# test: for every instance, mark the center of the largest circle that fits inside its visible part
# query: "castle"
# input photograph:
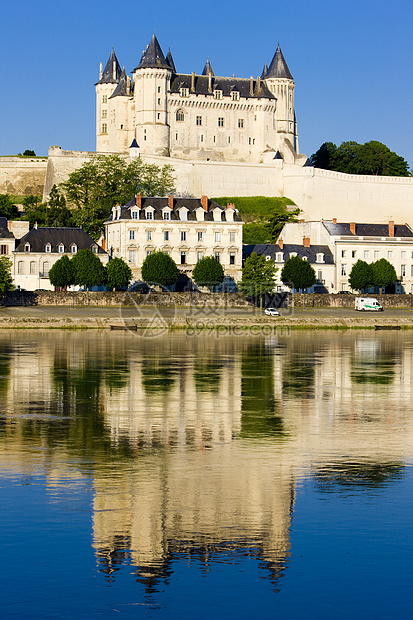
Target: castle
(196, 116)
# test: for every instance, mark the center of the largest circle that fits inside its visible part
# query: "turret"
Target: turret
(108, 81)
(281, 83)
(152, 81)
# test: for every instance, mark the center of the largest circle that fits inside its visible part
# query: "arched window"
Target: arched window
(73, 248)
(46, 268)
(20, 266)
(60, 248)
(27, 247)
(33, 267)
(48, 247)
(180, 116)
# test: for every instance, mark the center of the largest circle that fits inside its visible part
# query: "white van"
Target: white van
(368, 303)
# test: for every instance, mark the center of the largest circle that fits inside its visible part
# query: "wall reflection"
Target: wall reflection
(195, 445)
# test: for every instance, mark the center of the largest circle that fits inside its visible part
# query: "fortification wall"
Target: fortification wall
(22, 176)
(321, 194)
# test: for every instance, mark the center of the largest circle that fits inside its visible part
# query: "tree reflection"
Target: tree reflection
(374, 361)
(260, 408)
(158, 374)
(356, 475)
(6, 352)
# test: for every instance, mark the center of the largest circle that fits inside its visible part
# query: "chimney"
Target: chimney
(171, 202)
(334, 220)
(230, 205)
(114, 70)
(100, 71)
(306, 242)
(204, 202)
(280, 243)
(138, 201)
(209, 82)
(8, 225)
(353, 228)
(251, 85)
(128, 84)
(193, 82)
(103, 244)
(35, 225)
(258, 83)
(391, 228)
(302, 221)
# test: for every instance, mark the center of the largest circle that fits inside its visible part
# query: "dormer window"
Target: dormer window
(149, 214)
(305, 258)
(218, 94)
(235, 95)
(73, 248)
(319, 258)
(60, 248)
(292, 254)
(166, 213)
(95, 249)
(27, 247)
(183, 214)
(184, 92)
(279, 257)
(48, 247)
(134, 215)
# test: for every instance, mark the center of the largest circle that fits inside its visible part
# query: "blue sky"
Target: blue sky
(351, 62)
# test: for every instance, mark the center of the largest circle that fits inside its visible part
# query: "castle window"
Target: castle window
(232, 258)
(184, 92)
(201, 138)
(104, 98)
(159, 101)
(60, 248)
(240, 123)
(104, 128)
(159, 116)
(220, 121)
(199, 120)
(218, 94)
(104, 113)
(214, 138)
(180, 116)
(229, 139)
(159, 89)
(235, 95)
(176, 136)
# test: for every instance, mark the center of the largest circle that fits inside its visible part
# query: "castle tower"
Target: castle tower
(152, 78)
(280, 82)
(108, 80)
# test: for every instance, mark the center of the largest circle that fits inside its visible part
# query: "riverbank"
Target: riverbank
(197, 318)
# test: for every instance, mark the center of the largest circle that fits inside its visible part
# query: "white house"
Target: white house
(185, 228)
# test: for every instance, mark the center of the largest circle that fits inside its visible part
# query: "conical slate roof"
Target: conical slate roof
(264, 71)
(207, 69)
(121, 89)
(170, 60)
(107, 76)
(278, 67)
(134, 144)
(152, 57)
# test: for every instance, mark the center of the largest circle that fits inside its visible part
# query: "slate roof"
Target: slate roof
(207, 69)
(170, 60)
(271, 249)
(278, 67)
(159, 203)
(152, 57)
(121, 88)
(40, 237)
(226, 84)
(107, 75)
(368, 230)
(4, 231)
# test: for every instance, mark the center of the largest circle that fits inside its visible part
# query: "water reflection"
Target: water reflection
(196, 445)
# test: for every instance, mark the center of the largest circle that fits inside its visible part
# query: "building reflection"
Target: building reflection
(195, 445)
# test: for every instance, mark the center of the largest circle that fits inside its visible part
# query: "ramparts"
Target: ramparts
(22, 175)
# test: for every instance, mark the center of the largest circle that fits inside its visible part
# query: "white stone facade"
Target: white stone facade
(196, 116)
(186, 229)
(350, 242)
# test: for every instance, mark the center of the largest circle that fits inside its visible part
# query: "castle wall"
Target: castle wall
(321, 194)
(22, 176)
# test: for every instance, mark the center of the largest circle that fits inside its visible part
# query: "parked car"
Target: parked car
(140, 287)
(271, 312)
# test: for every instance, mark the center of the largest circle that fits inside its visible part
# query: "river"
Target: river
(187, 476)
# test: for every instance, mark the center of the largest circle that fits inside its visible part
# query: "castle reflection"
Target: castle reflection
(195, 445)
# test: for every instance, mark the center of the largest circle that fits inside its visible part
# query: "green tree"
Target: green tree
(98, 185)
(118, 273)
(159, 268)
(29, 153)
(277, 221)
(256, 232)
(62, 273)
(208, 272)
(53, 213)
(7, 208)
(88, 269)
(361, 275)
(371, 158)
(299, 273)
(6, 280)
(258, 276)
(384, 274)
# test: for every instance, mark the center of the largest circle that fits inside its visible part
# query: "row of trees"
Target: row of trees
(86, 269)
(372, 158)
(364, 275)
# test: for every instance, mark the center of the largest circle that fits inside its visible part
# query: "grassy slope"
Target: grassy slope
(256, 211)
